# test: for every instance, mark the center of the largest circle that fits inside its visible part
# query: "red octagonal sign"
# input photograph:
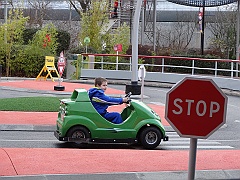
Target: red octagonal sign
(196, 107)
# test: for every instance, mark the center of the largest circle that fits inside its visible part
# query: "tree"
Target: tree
(93, 22)
(45, 39)
(120, 36)
(39, 7)
(223, 29)
(11, 35)
(178, 37)
(174, 35)
(84, 5)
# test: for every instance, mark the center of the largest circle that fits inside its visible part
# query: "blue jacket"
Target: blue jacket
(100, 101)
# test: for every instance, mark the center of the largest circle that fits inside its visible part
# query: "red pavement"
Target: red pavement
(34, 161)
(50, 117)
(49, 85)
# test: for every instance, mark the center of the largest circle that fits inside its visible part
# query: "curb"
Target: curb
(166, 175)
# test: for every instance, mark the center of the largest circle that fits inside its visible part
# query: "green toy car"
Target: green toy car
(78, 122)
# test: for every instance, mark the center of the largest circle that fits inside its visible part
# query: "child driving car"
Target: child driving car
(101, 101)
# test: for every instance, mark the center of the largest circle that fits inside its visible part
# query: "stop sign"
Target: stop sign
(196, 107)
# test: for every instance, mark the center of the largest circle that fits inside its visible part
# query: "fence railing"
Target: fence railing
(164, 64)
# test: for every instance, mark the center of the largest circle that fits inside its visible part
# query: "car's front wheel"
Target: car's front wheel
(78, 132)
(150, 137)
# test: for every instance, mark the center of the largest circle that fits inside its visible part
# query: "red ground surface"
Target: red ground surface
(49, 118)
(31, 161)
(49, 85)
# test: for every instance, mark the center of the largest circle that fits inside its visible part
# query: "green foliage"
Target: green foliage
(23, 51)
(46, 38)
(11, 35)
(29, 59)
(210, 54)
(146, 50)
(63, 39)
(120, 36)
(92, 24)
(78, 65)
(33, 104)
(117, 37)
(28, 35)
(81, 49)
(224, 31)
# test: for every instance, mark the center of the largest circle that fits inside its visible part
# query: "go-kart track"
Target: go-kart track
(39, 161)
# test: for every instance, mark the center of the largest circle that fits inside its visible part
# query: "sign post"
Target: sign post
(61, 66)
(86, 41)
(117, 48)
(195, 108)
(141, 77)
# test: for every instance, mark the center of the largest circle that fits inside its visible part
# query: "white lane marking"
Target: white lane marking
(16, 140)
(199, 147)
(177, 142)
(160, 90)
(233, 106)
(158, 103)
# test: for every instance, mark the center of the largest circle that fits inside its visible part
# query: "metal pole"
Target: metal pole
(130, 22)
(192, 158)
(202, 34)
(237, 38)
(117, 61)
(5, 11)
(5, 20)
(143, 21)
(135, 42)
(154, 24)
(70, 15)
(142, 89)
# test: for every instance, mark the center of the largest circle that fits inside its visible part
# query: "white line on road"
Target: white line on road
(17, 140)
(160, 90)
(199, 147)
(181, 142)
(233, 106)
(158, 103)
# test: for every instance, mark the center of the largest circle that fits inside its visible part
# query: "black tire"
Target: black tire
(150, 137)
(78, 132)
(59, 88)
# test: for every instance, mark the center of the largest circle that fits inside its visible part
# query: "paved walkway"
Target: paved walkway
(43, 163)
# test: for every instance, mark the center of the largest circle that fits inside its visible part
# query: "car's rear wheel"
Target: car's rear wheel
(78, 132)
(150, 137)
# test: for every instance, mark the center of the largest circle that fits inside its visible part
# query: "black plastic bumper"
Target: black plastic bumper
(94, 140)
(165, 138)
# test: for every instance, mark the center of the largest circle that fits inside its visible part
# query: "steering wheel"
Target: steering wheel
(128, 96)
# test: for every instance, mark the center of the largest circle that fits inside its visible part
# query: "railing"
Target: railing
(165, 64)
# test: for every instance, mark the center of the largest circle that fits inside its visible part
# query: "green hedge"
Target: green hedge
(63, 39)
(27, 61)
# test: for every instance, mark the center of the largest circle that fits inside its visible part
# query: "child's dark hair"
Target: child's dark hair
(99, 81)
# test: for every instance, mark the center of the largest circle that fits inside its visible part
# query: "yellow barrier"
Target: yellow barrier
(49, 67)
